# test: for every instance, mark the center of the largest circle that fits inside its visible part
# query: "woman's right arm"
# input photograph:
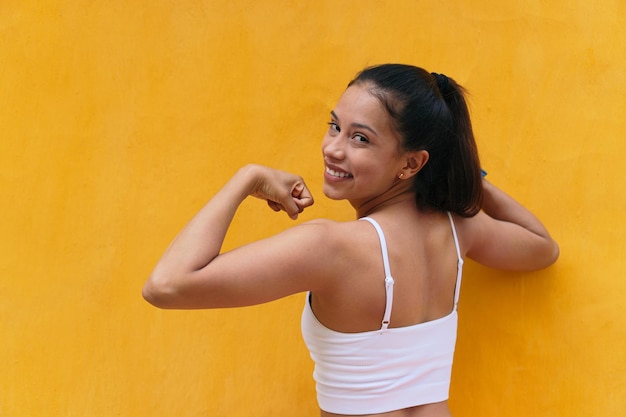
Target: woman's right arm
(192, 273)
(506, 235)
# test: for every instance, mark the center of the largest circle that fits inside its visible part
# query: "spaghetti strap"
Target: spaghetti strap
(388, 278)
(459, 265)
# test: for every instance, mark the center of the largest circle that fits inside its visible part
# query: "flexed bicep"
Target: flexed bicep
(259, 272)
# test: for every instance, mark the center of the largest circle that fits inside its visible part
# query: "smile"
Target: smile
(337, 174)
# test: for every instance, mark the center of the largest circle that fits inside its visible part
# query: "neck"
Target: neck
(397, 197)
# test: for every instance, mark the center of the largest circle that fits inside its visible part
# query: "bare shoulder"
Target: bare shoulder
(329, 236)
(317, 252)
(467, 229)
(317, 246)
(476, 231)
(336, 243)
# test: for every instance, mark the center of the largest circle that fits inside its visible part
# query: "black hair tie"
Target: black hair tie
(442, 81)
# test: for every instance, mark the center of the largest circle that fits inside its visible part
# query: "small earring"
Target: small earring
(401, 175)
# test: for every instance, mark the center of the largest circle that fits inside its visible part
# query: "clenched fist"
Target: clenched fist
(282, 190)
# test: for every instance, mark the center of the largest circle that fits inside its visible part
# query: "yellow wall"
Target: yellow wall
(120, 118)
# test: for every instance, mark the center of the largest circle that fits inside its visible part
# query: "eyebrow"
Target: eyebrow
(357, 125)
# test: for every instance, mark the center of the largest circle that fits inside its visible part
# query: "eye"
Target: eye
(360, 138)
(334, 127)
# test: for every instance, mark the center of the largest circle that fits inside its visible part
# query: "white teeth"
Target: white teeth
(337, 174)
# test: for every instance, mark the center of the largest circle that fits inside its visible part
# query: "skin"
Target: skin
(366, 166)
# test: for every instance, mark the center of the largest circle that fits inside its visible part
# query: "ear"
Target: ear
(415, 161)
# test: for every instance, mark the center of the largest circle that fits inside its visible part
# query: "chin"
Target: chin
(332, 194)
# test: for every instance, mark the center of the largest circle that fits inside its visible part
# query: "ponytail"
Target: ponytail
(463, 192)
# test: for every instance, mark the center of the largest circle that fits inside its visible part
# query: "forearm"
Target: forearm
(500, 206)
(508, 236)
(200, 241)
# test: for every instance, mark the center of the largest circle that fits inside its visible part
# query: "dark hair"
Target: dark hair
(430, 113)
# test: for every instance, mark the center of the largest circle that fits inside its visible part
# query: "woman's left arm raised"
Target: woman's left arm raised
(193, 274)
(506, 235)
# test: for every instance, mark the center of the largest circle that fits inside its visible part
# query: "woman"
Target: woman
(380, 316)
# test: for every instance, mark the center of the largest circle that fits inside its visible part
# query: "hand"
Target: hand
(281, 190)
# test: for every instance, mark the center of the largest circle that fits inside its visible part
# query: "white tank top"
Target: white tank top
(388, 369)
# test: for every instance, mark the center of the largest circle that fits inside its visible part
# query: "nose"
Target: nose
(333, 147)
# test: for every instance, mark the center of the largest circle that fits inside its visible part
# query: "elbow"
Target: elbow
(150, 294)
(159, 293)
(556, 251)
(549, 255)
(537, 258)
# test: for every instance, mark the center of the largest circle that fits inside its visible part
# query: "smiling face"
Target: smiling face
(362, 150)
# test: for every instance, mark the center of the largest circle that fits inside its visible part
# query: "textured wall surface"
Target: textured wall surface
(120, 119)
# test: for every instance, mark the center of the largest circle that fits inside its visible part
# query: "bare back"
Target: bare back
(423, 262)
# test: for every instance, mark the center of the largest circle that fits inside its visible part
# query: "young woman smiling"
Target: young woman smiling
(380, 315)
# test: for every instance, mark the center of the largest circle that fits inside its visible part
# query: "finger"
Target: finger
(302, 196)
(278, 207)
(274, 206)
(291, 207)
